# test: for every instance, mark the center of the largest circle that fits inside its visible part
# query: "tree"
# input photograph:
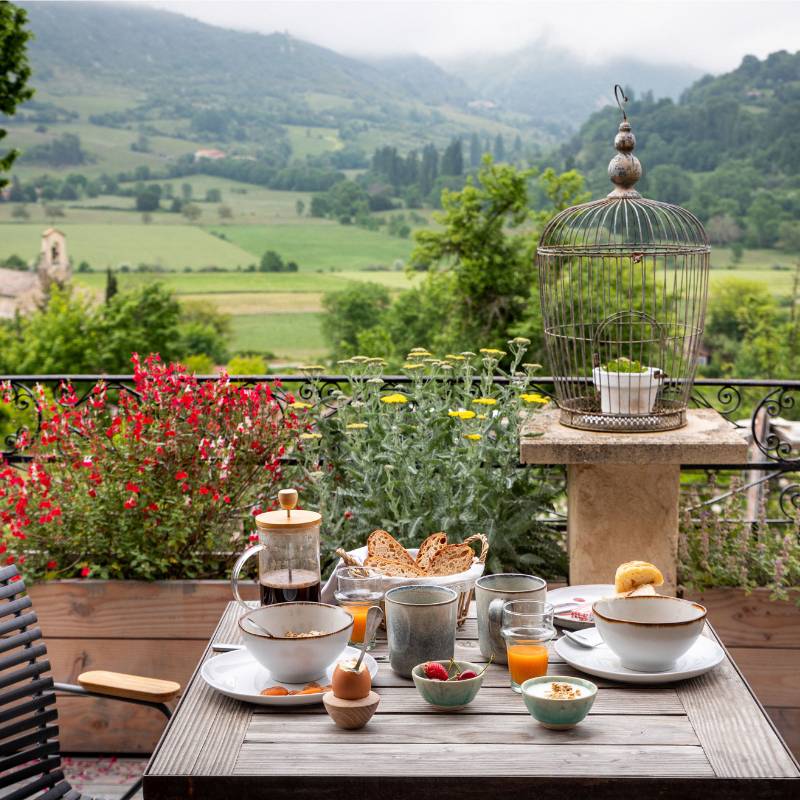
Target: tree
(474, 151)
(213, 196)
(148, 199)
(499, 148)
(299, 207)
(111, 285)
(225, 212)
(789, 233)
(350, 312)
(453, 159)
(192, 212)
(271, 262)
(186, 192)
(722, 229)
(15, 71)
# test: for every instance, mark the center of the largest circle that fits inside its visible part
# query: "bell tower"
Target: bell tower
(54, 262)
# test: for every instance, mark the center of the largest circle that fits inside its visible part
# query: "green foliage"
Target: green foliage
(15, 71)
(71, 334)
(624, 365)
(63, 151)
(15, 262)
(441, 455)
(273, 262)
(247, 365)
(352, 312)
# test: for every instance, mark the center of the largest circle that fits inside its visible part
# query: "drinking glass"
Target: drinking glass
(357, 589)
(527, 628)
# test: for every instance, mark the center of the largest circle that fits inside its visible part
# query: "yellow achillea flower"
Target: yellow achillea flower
(485, 401)
(453, 357)
(393, 399)
(492, 351)
(300, 404)
(461, 414)
(356, 426)
(419, 354)
(413, 366)
(473, 437)
(310, 435)
(534, 397)
(482, 416)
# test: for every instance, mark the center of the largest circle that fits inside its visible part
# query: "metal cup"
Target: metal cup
(420, 625)
(491, 592)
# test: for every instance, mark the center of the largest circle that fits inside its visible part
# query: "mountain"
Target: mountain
(728, 149)
(558, 89)
(425, 79)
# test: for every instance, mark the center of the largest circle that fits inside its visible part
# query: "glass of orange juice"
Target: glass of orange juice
(357, 589)
(527, 628)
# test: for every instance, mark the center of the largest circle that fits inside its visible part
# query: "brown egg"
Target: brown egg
(350, 685)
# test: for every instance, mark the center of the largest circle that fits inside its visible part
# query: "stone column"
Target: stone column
(622, 488)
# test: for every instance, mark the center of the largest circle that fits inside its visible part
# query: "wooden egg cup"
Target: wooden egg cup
(351, 714)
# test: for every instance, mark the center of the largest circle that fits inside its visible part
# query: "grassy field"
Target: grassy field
(296, 337)
(327, 245)
(306, 141)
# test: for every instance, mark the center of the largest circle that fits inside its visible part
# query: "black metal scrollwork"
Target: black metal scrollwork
(728, 401)
(769, 440)
(790, 501)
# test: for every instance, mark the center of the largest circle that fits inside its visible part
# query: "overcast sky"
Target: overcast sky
(711, 34)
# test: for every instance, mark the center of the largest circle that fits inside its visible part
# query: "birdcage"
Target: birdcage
(623, 284)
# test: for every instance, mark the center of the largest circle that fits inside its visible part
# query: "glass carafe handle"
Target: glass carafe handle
(237, 568)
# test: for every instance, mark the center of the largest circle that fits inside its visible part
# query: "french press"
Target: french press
(288, 554)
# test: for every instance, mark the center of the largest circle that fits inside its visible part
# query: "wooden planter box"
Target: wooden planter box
(160, 629)
(154, 629)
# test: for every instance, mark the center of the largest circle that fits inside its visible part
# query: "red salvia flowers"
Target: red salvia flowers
(147, 484)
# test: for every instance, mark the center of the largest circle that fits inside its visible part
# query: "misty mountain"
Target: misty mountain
(558, 89)
(425, 80)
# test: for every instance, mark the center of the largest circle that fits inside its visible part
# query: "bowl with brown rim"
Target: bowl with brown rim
(651, 632)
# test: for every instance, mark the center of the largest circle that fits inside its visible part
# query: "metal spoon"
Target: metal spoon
(260, 627)
(589, 637)
(374, 617)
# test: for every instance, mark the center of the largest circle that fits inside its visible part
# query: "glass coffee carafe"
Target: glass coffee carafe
(288, 554)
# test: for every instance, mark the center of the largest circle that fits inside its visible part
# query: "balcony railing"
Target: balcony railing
(756, 406)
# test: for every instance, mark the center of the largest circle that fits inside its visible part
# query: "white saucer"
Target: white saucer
(238, 675)
(581, 596)
(703, 656)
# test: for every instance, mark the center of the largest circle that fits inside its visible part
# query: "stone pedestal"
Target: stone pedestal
(622, 488)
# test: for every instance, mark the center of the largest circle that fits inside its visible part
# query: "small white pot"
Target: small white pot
(627, 392)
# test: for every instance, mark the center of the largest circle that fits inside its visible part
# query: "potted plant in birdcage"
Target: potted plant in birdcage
(626, 386)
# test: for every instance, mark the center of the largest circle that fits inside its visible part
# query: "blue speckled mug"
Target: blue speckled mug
(420, 625)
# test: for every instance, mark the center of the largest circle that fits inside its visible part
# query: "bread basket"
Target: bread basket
(461, 582)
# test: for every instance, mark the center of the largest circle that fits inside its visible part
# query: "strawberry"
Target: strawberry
(435, 672)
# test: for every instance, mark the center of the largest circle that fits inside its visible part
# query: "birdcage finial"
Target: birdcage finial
(624, 169)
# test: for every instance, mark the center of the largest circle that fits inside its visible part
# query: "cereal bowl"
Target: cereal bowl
(649, 633)
(562, 708)
(291, 658)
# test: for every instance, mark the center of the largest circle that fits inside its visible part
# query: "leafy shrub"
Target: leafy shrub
(441, 453)
(150, 486)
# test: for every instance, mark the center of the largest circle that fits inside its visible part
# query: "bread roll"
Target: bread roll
(633, 574)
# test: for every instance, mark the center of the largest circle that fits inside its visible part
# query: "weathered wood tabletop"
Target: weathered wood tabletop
(706, 735)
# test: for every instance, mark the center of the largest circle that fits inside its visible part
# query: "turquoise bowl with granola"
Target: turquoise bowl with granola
(448, 695)
(558, 702)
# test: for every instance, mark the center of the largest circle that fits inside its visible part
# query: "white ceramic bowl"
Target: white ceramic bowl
(293, 660)
(649, 633)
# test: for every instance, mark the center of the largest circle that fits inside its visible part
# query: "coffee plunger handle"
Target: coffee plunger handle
(287, 498)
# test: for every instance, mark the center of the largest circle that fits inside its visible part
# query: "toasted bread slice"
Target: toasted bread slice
(394, 569)
(429, 548)
(633, 574)
(384, 545)
(451, 559)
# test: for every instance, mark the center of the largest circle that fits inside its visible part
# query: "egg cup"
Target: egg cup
(351, 714)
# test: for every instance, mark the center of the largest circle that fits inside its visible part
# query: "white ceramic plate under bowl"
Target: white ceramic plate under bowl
(578, 598)
(238, 675)
(703, 656)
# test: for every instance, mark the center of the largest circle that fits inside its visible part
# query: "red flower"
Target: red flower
(181, 475)
(85, 572)
(52, 564)
(130, 502)
(130, 486)
(3, 548)
(348, 515)
(152, 507)
(10, 560)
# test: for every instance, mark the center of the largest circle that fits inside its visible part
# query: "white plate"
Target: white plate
(581, 595)
(703, 655)
(238, 675)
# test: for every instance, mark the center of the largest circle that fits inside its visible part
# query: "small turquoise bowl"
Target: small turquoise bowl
(448, 695)
(558, 715)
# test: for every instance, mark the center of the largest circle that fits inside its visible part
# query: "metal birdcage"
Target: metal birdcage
(623, 284)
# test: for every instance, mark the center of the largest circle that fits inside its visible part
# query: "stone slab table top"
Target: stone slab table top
(707, 438)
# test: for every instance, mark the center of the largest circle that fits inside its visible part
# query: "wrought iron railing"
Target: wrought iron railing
(753, 405)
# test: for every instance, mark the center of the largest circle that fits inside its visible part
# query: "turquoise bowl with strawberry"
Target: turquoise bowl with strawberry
(448, 685)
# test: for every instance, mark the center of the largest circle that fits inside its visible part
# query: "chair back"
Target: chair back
(30, 760)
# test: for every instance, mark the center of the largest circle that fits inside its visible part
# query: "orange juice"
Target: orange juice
(359, 621)
(526, 661)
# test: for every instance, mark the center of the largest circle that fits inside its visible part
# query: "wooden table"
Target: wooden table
(703, 738)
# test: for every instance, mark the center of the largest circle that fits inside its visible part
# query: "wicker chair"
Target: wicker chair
(30, 757)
